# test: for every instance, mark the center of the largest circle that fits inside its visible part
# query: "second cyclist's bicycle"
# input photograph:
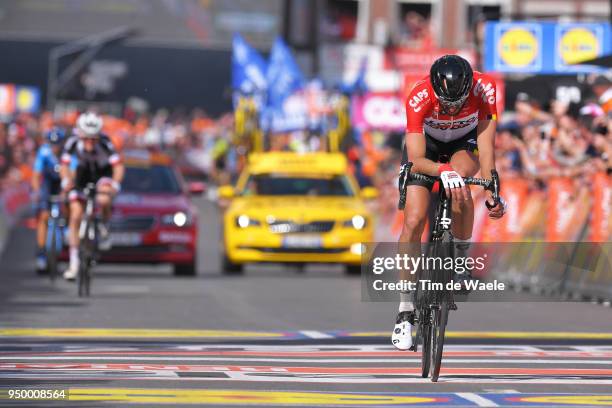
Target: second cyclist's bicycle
(55, 234)
(88, 235)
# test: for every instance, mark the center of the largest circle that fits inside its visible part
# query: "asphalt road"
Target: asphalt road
(278, 337)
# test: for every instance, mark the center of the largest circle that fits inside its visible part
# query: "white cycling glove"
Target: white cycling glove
(449, 177)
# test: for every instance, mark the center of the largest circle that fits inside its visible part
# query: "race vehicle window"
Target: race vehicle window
(278, 185)
(152, 179)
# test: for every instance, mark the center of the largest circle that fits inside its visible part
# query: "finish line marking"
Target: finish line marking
(304, 360)
(312, 334)
(477, 399)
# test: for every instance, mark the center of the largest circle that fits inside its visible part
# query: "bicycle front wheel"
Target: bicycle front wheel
(438, 330)
(52, 251)
(424, 333)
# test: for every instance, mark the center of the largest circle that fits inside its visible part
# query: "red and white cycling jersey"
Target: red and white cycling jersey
(423, 109)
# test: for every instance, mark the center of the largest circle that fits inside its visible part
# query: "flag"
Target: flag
(248, 67)
(360, 85)
(283, 75)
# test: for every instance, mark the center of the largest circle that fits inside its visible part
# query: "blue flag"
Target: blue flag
(359, 85)
(283, 75)
(248, 67)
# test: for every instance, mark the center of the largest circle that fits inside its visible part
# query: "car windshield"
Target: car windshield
(279, 184)
(152, 179)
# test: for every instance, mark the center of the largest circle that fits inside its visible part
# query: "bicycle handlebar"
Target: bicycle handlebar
(406, 175)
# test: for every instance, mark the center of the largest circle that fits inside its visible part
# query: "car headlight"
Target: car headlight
(358, 222)
(177, 219)
(244, 221)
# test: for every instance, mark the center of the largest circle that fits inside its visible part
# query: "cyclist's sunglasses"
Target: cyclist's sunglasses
(452, 107)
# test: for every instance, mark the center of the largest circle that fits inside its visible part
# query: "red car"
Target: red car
(153, 218)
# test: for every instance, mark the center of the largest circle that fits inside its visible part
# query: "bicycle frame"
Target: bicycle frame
(88, 234)
(54, 239)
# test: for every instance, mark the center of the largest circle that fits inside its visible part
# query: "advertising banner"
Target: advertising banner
(380, 111)
(27, 99)
(14, 98)
(418, 62)
(545, 48)
(7, 99)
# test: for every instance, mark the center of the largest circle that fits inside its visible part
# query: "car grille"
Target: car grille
(132, 223)
(290, 227)
(297, 250)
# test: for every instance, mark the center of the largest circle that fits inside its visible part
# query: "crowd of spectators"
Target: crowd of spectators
(566, 139)
(198, 142)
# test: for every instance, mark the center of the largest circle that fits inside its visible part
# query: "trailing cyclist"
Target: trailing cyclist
(46, 182)
(96, 161)
(451, 120)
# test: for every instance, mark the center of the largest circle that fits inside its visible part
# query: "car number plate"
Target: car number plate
(125, 238)
(302, 241)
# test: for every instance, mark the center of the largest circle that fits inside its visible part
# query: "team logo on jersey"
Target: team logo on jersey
(415, 101)
(487, 91)
(448, 124)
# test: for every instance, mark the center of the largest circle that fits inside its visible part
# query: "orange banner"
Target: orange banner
(602, 208)
(559, 209)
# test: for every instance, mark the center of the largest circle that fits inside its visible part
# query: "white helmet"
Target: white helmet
(89, 124)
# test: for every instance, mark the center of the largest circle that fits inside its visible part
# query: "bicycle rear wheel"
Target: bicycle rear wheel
(85, 254)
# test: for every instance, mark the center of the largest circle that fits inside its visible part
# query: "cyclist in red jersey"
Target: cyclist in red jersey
(451, 120)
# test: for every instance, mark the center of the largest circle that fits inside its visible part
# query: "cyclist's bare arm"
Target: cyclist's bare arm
(118, 172)
(415, 145)
(486, 156)
(486, 147)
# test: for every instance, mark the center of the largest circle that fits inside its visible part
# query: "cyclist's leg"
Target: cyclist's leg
(74, 224)
(415, 217)
(41, 237)
(466, 164)
(104, 200)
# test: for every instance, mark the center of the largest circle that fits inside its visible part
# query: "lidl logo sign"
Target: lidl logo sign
(577, 43)
(518, 47)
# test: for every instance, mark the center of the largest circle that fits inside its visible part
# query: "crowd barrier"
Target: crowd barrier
(553, 241)
(14, 200)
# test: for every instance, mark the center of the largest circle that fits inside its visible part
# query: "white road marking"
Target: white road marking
(238, 376)
(447, 360)
(314, 334)
(477, 399)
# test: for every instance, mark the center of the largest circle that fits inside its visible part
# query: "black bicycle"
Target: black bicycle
(55, 233)
(434, 300)
(88, 235)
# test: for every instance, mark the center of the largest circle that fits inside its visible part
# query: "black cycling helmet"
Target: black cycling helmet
(451, 78)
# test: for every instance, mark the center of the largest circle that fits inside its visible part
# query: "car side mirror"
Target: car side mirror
(226, 192)
(196, 187)
(369, 193)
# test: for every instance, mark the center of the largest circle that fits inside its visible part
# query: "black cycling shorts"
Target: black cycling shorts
(441, 152)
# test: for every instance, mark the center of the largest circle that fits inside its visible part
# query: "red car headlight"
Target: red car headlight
(178, 219)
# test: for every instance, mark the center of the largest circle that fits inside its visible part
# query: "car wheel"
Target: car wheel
(230, 268)
(352, 269)
(185, 269)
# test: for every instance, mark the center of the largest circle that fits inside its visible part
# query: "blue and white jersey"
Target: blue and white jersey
(47, 164)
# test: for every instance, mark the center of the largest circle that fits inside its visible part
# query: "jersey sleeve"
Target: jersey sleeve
(69, 150)
(39, 161)
(487, 92)
(113, 156)
(417, 105)
(74, 163)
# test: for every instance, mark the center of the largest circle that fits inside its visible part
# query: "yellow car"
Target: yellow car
(295, 208)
